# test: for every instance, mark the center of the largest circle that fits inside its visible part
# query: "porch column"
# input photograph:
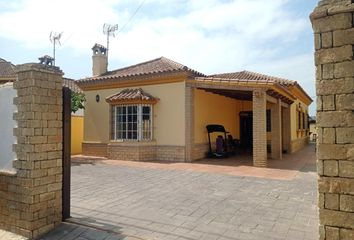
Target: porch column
(276, 142)
(286, 129)
(259, 128)
(189, 123)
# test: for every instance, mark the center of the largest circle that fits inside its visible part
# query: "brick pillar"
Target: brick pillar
(286, 129)
(276, 130)
(33, 195)
(333, 26)
(259, 128)
(189, 127)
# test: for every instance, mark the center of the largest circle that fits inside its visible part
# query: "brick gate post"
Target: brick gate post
(333, 26)
(32, 203)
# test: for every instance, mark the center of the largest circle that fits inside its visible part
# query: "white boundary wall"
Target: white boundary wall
(7, 124)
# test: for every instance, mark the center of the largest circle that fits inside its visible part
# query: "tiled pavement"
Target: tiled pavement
(113, 201)
(116, 200)
(10, 236)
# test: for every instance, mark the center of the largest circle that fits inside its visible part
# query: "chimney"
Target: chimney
(99, 60)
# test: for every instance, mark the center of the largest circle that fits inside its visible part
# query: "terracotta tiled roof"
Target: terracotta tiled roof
(247, 76)
(136, 94)
(252, 76)
(71, 84)
(6, 68)
(155, 66)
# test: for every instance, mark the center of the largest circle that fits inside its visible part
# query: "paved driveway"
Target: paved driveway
(113, 201)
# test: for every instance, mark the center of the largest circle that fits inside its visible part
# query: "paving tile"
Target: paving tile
(60, 232)
(193, 201)
(10, 236)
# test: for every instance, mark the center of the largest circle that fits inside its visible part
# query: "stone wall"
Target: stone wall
(171, 153)
(333, 26)
(139, 151)
(200, 150)
(131, 152)
(94, 149)
(298, 144)
(31, 197)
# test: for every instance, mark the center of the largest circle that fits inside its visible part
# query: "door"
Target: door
(246, 130)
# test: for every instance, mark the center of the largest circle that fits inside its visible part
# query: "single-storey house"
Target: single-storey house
(159, 110)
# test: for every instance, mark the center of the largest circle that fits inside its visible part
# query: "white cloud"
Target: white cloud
(208, 35)
(230, 27)
(211, 35)
(31, 22)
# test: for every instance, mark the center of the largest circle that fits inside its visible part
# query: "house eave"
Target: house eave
(133, 81)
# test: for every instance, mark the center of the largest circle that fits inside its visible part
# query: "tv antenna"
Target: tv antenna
(109, 30)
(55, 38)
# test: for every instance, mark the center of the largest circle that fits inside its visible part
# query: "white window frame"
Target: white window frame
(139, 122)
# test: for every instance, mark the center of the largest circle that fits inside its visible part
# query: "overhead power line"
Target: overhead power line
(132, 16)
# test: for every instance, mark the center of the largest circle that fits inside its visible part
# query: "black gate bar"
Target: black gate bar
(66, 152)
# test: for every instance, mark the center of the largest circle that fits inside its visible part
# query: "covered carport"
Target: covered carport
(257, 95)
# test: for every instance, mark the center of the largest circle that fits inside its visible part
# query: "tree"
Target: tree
(77, 101)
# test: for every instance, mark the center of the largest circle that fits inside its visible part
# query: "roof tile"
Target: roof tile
(159, 65)
(253, 76)
(6, 68)
(71, 84)
(136, 94)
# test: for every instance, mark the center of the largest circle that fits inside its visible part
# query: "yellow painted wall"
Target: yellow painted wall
(293, 117)
(211, 108)
(168, 121)
(77, 134)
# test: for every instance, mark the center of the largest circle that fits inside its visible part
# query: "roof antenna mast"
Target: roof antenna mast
(55, 38)
(109, 30)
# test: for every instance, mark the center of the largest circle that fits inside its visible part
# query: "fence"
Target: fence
(7, 124)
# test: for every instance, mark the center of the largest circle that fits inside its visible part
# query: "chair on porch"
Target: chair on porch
(233, 144)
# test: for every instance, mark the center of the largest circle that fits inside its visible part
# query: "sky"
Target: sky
(272, 37)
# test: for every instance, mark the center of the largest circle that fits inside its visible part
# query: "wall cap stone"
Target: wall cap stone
(8, 173)
(38, 67)
(324, 10)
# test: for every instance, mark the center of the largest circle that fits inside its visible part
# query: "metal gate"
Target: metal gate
(66, 152)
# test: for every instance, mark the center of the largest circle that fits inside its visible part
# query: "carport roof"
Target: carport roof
(289, 85)
(253, 76)
(230, 86)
